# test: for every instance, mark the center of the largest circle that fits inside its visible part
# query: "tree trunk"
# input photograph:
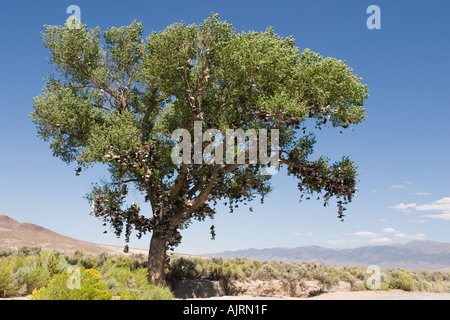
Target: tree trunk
(157, 259)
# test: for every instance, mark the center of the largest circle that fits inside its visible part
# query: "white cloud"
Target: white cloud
(296, 234)
(417, 221)
(381, 240)
(417, 236)
(366, 234)
(404, 207)
(398, 187)
(441, 205)
(443, 216)
(309, 234)
(389, 230)
(423, 193)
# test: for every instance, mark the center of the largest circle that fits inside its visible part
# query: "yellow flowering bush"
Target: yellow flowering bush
(81, 284)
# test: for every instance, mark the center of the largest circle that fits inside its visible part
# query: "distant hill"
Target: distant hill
(419, 255)
(14, 234)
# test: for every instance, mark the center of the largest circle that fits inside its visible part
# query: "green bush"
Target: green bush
(50, 260)
(183, 268)
(29, 278)
(62, 287)
(7, 285)
(6, 252)
(25, 251)
(130, 284)
(402, 280)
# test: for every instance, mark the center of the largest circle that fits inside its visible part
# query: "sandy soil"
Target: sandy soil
(359, 295)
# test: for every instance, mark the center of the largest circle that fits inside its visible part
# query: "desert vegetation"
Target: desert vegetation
(293, 279)
(48, 275)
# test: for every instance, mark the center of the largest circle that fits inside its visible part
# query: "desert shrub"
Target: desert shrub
(267, 272)
(50, 260)
(25, 251)
(217, 260)
(121, 260)
(8, 287)
(29, 278)
(149, 292)
(102, 257)
(402, 280)
(130, 284)
(325, 278)
(215, 271)
(138, 261)
(422, 286)
(72, 259)
(159, 292)
(439, 286)
(79, 258)
(6, 252)
(182, 268)
(121, 279)
(446, 276)
(339, 274)
(87, 261)
(91, 287)
(232, 271)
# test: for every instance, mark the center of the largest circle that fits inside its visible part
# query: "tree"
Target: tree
(116, 100)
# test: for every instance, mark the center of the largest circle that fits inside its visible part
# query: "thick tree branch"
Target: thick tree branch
(146, 118)
(179, 181)
(218, 172)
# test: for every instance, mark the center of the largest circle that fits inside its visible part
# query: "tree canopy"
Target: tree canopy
(116, 97)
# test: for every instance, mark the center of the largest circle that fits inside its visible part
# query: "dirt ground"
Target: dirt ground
(358, 295)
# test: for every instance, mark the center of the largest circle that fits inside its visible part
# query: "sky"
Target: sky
(401, 149)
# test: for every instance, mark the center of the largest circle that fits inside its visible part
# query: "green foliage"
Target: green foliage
(183, 268)
(117, 96)
(45, 274)
(29, 278)
(7, 285)
(133, 285)
(6, 252)
(91, 288)
(28, 251)
(50, 260)
(402, 280)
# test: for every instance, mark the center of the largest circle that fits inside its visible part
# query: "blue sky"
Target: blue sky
(402, 149)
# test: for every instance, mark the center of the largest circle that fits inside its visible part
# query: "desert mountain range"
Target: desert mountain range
(14, 234)
(414, 255)
(423, 255)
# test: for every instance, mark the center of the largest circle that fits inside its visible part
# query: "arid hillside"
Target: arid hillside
(14, 234)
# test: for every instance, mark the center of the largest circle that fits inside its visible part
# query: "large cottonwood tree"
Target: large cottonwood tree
(116, 98)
